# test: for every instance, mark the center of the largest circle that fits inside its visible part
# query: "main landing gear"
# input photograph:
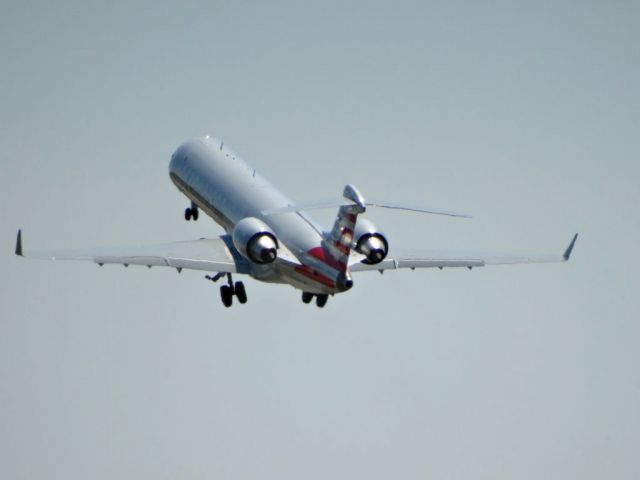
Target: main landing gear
(321, 300)
(191, 213)
(228, 291)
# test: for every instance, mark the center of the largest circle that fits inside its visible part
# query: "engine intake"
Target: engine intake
(254, 240)
(370, 242)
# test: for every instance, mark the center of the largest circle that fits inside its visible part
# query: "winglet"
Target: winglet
(567, 252)
(19, 243)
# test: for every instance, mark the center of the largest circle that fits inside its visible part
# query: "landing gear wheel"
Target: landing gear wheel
(226, 294)
(307, 297)
(321, 300)
(191, 212)
(240, 292)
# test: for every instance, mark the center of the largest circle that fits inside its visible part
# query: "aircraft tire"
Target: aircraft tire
(194, 214)
(307, 297)
(321, 300)
(187, 214)
(226, 295)
(240, 292)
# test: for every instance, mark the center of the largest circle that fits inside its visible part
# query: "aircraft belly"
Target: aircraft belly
(202, 203)
(286, 272)
(297, 279)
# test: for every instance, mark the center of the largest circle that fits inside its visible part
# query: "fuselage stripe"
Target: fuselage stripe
(313, 275)
(327, 258)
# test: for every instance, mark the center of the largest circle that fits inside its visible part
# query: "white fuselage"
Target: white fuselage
(225, 187)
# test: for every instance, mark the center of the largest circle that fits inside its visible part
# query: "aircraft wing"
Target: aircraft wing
(211, 255)
(442, 259)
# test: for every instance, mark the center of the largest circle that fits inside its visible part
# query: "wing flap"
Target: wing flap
(398, 260)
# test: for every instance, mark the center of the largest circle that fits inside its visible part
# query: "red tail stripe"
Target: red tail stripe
(342, 248)
(326, 257)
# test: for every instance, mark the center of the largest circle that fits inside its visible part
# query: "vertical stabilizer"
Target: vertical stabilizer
(339, 241)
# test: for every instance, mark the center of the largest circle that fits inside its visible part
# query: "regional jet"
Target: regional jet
(273, 239)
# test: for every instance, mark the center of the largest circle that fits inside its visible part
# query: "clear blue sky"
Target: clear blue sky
(525, 114)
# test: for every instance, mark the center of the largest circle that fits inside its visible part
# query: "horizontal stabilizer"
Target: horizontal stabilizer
(415, 208)
(341, 202)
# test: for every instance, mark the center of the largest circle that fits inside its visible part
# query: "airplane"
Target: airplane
(273, 239)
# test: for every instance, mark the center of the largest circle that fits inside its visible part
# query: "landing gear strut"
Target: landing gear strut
(228, 291)
(191, 213)
(321, 300)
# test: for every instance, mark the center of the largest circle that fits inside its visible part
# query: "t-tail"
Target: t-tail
(340, 239)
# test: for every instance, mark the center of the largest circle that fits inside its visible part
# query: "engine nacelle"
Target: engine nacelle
(370, 242)
(254, 240)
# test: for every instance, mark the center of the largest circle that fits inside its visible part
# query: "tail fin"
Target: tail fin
(339, 241)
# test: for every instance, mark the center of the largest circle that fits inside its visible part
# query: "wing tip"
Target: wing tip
(19, 244)
(567, 253)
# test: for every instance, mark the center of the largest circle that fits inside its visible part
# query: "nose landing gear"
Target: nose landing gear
(191, 213)
(228, 291)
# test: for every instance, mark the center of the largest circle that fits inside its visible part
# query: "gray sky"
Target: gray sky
(525, 114)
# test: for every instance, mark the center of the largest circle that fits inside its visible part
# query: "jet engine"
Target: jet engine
(254, 240)
(370, 242)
